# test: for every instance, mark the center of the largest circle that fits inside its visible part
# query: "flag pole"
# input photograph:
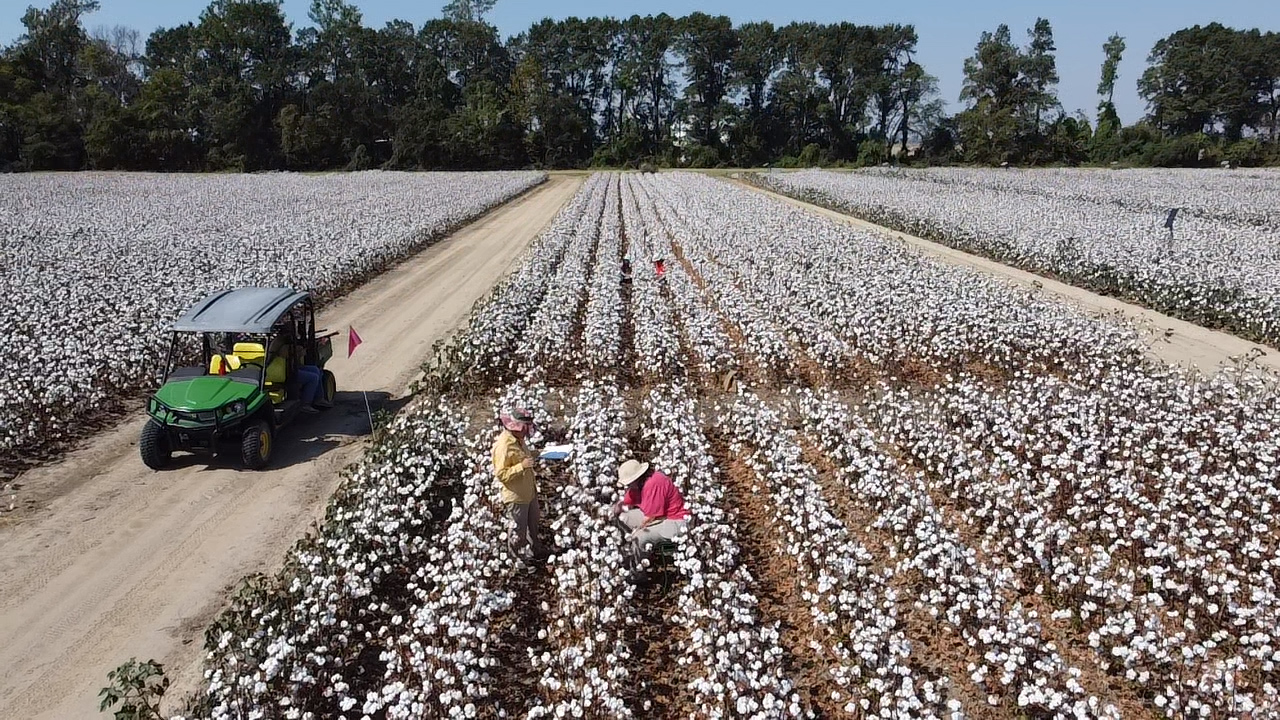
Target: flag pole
(353, 341)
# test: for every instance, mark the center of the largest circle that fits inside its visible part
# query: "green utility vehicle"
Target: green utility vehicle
(254, 345)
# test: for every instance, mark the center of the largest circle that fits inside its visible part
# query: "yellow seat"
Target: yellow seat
(276, 370)
(230, 362)
(250, 352)
(275, 380)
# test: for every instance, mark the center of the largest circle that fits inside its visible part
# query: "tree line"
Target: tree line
(239, 88)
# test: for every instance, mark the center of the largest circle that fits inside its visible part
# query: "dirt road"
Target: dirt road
(121, 561)
(1174, 341)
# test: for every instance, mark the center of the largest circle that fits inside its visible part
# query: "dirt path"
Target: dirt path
(119, 561)
(1174, 341)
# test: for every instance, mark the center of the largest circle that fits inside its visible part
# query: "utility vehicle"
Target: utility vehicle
(249, 343)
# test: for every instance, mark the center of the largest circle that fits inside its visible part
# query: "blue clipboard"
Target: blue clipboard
(556, 452)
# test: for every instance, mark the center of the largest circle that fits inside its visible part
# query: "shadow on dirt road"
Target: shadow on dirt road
(309, 436)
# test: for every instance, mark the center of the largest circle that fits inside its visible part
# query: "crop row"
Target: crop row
(930, 495)
(1217, 267)
(1139, 484)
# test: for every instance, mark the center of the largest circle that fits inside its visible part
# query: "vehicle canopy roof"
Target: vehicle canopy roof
(245, 310)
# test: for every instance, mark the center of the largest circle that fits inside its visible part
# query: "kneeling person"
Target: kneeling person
(652, 507)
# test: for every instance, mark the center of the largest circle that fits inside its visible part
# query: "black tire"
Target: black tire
(256, 445)
(154, 446)
(328, 390)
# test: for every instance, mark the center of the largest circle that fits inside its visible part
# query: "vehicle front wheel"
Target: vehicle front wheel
(154, 446)
(256, 445)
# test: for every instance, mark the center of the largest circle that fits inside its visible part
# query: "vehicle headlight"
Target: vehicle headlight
(234, 408)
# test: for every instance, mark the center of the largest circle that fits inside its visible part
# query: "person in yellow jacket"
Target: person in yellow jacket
(513, 466)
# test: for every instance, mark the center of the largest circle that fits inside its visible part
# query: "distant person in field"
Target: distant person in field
(651, 508)
(513, 466)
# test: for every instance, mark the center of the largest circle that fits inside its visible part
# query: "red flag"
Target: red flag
(353, 340)
(660, 266)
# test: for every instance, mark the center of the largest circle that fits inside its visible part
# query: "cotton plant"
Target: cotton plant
(1103, 230)
(1161, 553)
(600, 340)
(733, 659)
(441, 659)
(848, 296)
(550, 341)
(977, 600)
(857, 634)
(656, 333)
(484, 350)
(976, 324)
(97, 264)
(1238, 196)
(584, 671)
(586, 668)
(301, 644)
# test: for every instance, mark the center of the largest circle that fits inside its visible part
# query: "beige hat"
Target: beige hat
(631, 470)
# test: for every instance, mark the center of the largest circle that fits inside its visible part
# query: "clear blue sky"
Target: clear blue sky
(948, 29)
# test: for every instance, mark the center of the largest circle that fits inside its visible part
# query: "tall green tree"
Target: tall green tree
(49, 51)
(644, 78)
(332, 45)
(421, 124)
(1196, 82)
(481, 128)
(339, 116)
(755, 63)
(111, 63)
(49, 83)
(468, 50)
(1268, 85)
(554, 87)
(1039, 68)
(237, 88)
(11, 101)
(1113, 51)
(895, 75)
(849, 59)
(245, 63)
(468, 10)
(1011, 95)
(797, 101)
(989, 126)
(708, 45)
(920, 107)
(1105, 144)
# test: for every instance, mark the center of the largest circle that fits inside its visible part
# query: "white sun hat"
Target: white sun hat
(631, 470)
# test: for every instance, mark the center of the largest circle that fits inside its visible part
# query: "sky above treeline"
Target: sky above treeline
(948, 29)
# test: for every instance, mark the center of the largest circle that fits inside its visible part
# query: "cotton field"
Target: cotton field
(916, 492)
(1103, 230)
(95, 264)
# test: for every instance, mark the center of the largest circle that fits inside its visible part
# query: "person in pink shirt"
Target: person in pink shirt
(652, 507)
